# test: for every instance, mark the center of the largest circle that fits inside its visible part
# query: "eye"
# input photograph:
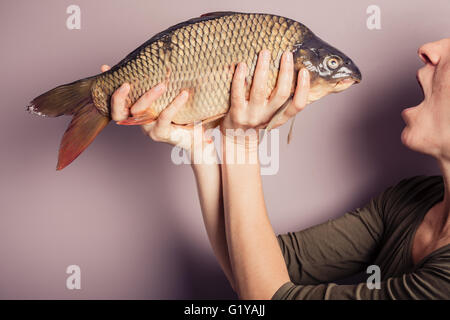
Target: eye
(333, 62)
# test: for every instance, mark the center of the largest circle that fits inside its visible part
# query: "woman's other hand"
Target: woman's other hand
(258, 110)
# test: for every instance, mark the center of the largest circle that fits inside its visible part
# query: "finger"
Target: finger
(147, 99)
(282, 120)
(238, 86)
(119, 108)
(146, 128)
(284, 83)
(166, 116)
(259, 83)
(105, 68)
(300, 99)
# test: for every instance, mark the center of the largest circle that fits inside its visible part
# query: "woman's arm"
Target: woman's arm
(258, 264)
(256, 259)
(209, 187)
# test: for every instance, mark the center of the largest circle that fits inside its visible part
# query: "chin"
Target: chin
(408, 139)
(405, 137)
(411, 142)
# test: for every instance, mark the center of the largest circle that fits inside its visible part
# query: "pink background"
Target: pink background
(128, 216)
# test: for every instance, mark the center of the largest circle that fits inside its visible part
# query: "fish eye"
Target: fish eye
(333, 62)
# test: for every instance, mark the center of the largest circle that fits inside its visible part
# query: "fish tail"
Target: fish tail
(72, 99)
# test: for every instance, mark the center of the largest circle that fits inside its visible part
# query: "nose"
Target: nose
(429, 53)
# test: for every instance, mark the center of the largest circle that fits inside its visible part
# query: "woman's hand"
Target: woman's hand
(162, 129)
(256, 112)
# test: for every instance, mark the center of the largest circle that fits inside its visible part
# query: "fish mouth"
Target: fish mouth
(352, 75)
(349, 79)
(347, 82)
(355, 80)
(355, 77)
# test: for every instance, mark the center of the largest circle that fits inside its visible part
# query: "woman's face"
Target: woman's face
(428, 124)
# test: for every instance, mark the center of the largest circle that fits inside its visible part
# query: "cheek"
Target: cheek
(441, 83)
(424, 124)
(439, 97)
(438, 117)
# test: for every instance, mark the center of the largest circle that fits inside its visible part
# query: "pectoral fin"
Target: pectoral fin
(140, 119)
(290, 129)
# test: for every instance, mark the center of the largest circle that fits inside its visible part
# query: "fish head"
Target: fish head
(330, 69)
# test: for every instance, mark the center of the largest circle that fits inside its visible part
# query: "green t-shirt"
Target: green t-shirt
(379, 234)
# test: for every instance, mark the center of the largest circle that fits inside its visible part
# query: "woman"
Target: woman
(405, 230)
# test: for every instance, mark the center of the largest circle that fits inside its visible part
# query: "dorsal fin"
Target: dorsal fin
(216, 14)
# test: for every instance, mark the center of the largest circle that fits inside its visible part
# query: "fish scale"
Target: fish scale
(198, 57)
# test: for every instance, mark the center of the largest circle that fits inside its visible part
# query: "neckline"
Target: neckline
(430, 205)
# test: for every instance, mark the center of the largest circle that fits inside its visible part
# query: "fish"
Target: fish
(199, 55)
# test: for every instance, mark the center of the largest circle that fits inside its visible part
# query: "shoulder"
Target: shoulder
(409, 194)
(419, 181)
(415, 188)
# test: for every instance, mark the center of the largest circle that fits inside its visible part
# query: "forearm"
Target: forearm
(257, 262)
(209, 187)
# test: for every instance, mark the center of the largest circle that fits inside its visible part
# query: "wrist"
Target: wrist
(240, 148)
(203, 153)
(248, 139)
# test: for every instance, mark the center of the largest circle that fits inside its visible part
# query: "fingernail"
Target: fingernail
(241, 66)
(184, 94)
(288, 56)
(265, 54)
(159, 87)
(304, 76)
(124, 87)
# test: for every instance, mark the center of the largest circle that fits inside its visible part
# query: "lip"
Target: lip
(356, 80)
(403, 115)
(347, 81)
(419, 81)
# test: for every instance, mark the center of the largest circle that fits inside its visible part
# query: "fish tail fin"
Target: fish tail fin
(87, 122)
